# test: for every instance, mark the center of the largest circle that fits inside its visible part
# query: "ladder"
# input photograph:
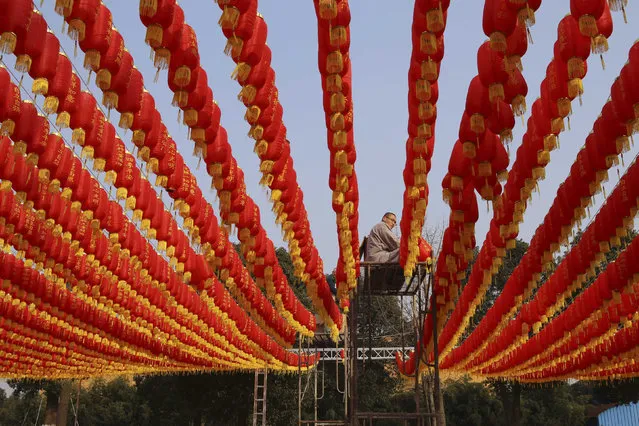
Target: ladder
(259, 398)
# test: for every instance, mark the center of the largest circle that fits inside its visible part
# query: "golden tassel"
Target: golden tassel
(92, 60)
(498, 42)
(154, 35)
(23, 63)
(40, 86)
(338, 37)
(180, 98)
(252, 114)
(148, 8)
(428, 43)
(126, 120)
(337, 122)
(588, 26)
(335, 62)
(103, 79)
(429, 70)
(8, 126)
(338, 102)
(8, 42)
(477, 124)
(496, 92)
(247, 94)
(241, 72)
(327, 9)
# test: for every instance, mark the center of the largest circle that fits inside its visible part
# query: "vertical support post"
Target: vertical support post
(299, 383)
(315, 397)
(437, 390)
(353, 351)
(264, 394)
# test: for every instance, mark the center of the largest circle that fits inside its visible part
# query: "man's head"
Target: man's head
(389, 219)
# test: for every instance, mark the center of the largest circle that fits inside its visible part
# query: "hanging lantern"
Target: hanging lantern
(83, 116)
(163, 40)
(515, 92)
(98, 39)
(499, 22)
(185, 58)
(30, 46)
(587, 12)
(59, 86)
(14, 24)
(118, 81)
(604, 28)
(492, 71)
(130, 101)
(110, 61)
(477, 104)
(238, 19)
(43, 67)
(82, 14)
(516, 47)
(10, 102)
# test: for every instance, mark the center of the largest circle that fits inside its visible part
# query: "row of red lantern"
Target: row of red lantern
(78, 232)
(187, 298)
(540, 138)
(479, 160)
(334, 63)
(429, 24)
(100, 332)
(544, 125)
(609, 301)
(110, 217)
(610, 224)
(87, 318)
(192, 94)
(609, 340)
(99, 141)
(246, 32)
(78, 163)
(147, 120)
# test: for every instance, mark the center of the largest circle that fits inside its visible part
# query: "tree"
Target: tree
(112, 403)
(471, 404)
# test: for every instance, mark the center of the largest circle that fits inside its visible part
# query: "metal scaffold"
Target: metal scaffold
(356, 350)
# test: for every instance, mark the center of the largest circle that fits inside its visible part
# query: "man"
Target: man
(382, 244)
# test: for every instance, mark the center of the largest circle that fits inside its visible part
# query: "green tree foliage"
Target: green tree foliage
(111, 403)
(471, 404)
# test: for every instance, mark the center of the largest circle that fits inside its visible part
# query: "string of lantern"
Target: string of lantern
(175, 47)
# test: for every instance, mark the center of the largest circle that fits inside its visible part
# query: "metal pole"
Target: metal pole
(353, 356)
(440, 415)
(315, 395)
(299, 384)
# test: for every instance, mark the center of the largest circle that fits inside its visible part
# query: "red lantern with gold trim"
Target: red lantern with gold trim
(14, 23)
(10, 103)
(30, 46)
(43, 67)
(98, 38)
(499, 21)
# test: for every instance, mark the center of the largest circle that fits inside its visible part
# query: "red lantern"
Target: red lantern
(59, 86)
(492, 71)
(185, 58)
(499, 22)
(43, 67)
(110, 61)
(14, 23)
(587, 12)
(30, 46)
(98, 39)
(81, 14)
(10, 102)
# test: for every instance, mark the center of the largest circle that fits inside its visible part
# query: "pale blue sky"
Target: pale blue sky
(380, 52)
